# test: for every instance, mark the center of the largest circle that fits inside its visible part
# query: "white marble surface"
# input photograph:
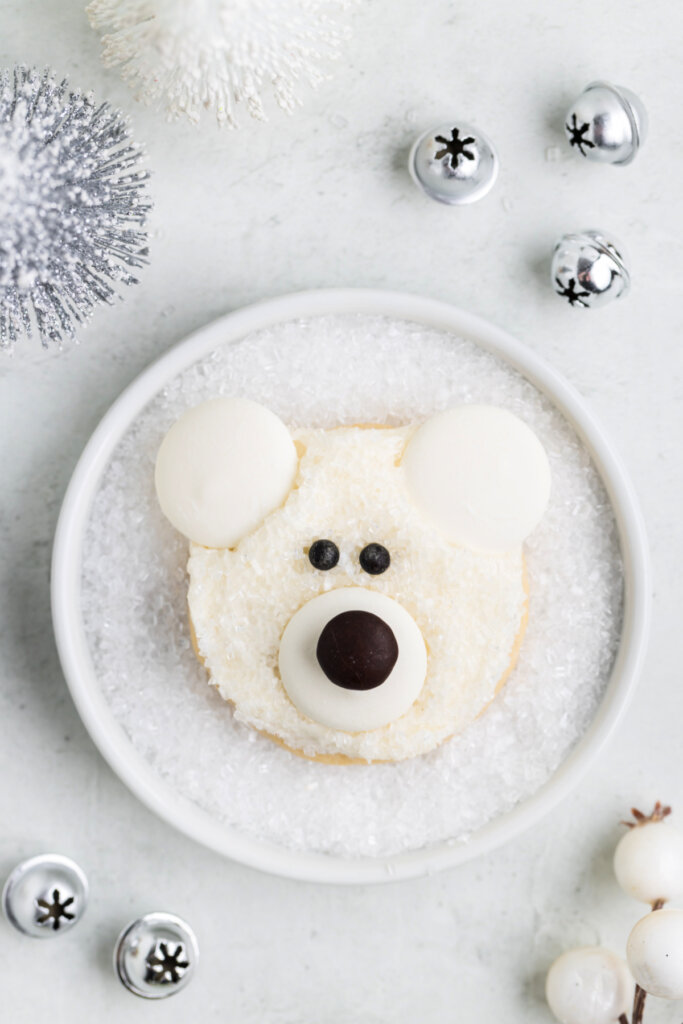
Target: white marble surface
(323, 199)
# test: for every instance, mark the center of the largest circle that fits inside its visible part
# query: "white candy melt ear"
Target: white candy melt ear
(480, 475)
(222, 468)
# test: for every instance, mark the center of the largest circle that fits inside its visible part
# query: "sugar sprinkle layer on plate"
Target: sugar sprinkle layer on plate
(323, 372)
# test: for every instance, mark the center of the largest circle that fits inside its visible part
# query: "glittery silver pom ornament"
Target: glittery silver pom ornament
(189, 55)
(589, 269)
(454, 163)
(606, 124)
(73, 204)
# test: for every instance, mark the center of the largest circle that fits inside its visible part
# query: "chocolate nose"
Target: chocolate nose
(357, 650)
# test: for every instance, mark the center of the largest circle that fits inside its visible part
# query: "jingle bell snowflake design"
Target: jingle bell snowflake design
(189, 55)
(568, 291)
(576, 133)
(166, 967)
(73, 205)
(455, 148)
(51, 911)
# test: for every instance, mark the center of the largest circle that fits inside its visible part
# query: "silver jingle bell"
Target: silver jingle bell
(607, 124)
(589, 269)
(454, 164)
(156, 955)
(45, 896)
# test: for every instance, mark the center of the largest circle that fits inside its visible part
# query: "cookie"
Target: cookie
(375, 600)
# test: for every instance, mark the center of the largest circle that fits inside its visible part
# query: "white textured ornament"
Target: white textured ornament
(589, 986)
(655, 953)
(648, 862)
(186, 55)
(221, 468)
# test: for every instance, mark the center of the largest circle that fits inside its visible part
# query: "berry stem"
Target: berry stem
(638, 1005)
(640, 994)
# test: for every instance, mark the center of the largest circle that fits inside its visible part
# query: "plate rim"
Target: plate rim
(108, 735)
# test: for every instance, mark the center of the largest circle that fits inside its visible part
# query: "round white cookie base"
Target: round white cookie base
(134, 602)
(466, 606)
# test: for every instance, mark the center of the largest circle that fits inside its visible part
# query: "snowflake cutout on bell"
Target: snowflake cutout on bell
(185, 55)
(73, 205)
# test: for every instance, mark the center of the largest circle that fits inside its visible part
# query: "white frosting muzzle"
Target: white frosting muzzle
(315, 696)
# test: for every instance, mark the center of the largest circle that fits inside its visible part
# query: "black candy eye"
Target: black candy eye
(374, 559)
(323, 554)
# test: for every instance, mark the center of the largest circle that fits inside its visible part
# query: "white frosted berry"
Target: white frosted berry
(648, 862)
(655, 953)
(589, 986)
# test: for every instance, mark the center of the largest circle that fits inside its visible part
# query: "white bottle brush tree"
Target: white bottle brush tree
(186, 55)
(594, 985)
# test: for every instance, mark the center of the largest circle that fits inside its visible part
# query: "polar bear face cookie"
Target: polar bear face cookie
(357, 594)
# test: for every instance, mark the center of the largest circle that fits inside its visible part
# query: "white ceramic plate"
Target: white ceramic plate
(73, 647)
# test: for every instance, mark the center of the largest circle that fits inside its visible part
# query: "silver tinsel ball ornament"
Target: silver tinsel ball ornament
(590, 269)
(454, 163)
(73, 204)
(606, 124)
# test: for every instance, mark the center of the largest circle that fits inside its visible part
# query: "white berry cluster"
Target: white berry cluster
(594, 985)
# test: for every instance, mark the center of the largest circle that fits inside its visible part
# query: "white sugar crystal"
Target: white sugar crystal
(323, 372)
